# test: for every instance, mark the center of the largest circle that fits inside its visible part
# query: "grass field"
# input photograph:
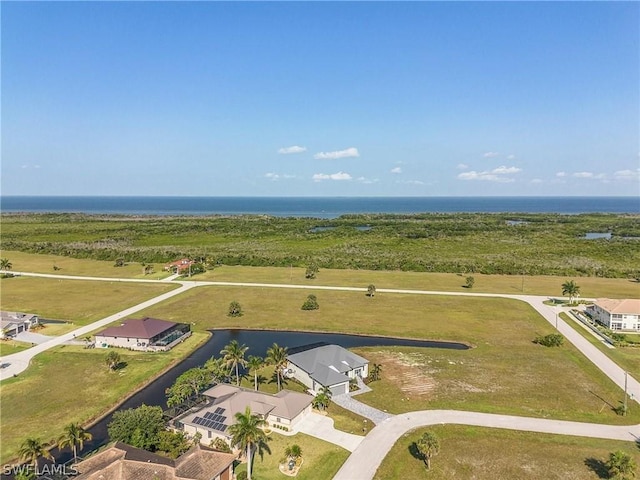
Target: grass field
(72, 384)
(77, 301)
(44, 263)
(7, 347)
(493, 454)
(503, 373)
(321, 460)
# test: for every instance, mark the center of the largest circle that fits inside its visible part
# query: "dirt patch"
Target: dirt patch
(407, 373)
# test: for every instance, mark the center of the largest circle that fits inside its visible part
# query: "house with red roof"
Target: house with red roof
(179, 266)
(145, 334)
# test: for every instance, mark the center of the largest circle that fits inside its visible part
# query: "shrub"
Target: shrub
(311, 303)
(470, 281)
(551, 340)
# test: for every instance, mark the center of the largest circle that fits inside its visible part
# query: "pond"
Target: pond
(596, 235)
(258, 342)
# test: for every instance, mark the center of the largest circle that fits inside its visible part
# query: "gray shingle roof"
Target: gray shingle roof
(327, 364)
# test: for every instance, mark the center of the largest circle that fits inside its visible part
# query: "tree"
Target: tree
(119, 262)
(235, 310)
(322, 400)
(311, 303)
(247, 432)
(374, 374)
(621, 466)
(74, 436)
(173, 443)
(254, 364)
(190, 383)
(31, 450)
(220, 445)
(371, 290)
(428, 445)
(233, 357)
(311, 272)
(113, 360)
(277, 356)
(216, 369)
(551, 340)
(469, 282)
(570, 288)
(5, 264)
(293, 452)
(139, 427)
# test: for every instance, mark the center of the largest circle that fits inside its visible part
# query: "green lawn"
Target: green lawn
(321, 460)
(493, 454)
(44, 263)
(502, 373)
(72, 384)
(77, 301)
(7, 347)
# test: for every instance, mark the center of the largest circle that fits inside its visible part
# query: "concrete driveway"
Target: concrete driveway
(31, 337)
(321, 426)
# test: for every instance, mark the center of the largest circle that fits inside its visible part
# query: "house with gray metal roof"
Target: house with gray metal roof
(329, 366)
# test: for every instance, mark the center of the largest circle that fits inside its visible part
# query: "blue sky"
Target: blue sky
(295, 98)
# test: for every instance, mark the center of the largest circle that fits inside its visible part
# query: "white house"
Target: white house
(146, 334)
(329, 366)
(616, 314)
(13, 323)
(281, 411)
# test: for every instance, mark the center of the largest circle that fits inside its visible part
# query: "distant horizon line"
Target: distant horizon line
(317, 196)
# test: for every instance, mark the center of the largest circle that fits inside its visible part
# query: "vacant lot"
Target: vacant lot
(493, 454)
(72, 384)
(76, 301)
(505, 372)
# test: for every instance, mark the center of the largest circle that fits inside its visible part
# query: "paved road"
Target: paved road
(18, 362)
(363, 463)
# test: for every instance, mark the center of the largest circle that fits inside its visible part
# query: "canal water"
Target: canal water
(258, 342)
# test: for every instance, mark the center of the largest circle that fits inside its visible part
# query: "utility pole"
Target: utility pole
(625, 392)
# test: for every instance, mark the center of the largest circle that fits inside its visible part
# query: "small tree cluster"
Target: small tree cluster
(371, 290)
(311, 303)
(235, 310)
(469, 282)
(311, 272)
(220, 445)
(551, 340)
(621, 466)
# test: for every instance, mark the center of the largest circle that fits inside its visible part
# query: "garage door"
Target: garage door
(340, 389)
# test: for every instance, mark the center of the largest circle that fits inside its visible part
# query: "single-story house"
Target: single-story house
(282, 410)
(329, 366)
(179, 266)
(616, 314)
(13, 323)
(124, 462)
(146, 334)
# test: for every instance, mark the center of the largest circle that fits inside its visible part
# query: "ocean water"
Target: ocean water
(317, 207)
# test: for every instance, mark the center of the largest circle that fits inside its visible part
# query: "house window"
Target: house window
(208, 433)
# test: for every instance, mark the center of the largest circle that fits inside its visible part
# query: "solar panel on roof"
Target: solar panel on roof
(209, 415)
(198, 420)
(219, 410)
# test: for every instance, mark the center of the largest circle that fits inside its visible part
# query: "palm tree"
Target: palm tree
(428, 446)
(74, 436)
(277, 356)
(255, 363)
(233, 357)
(570, 288)
(5, 264)
(216, 368)
(247, 432)
(621, 466)
(113, 360)
(375, 372)
(32, 449)
(322, 400)
(294, 452)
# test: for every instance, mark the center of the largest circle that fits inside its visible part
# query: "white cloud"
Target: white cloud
(272, 176)
(627, 174)
(491, 155)
(536, 180)
(462, 166)
(396, 170)
(367, 181)
(292, 149)
(511, 157)
(583, 175)
(346, 153)
(318, 177)
(561, 174)
(502, 170)
(487, 176)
